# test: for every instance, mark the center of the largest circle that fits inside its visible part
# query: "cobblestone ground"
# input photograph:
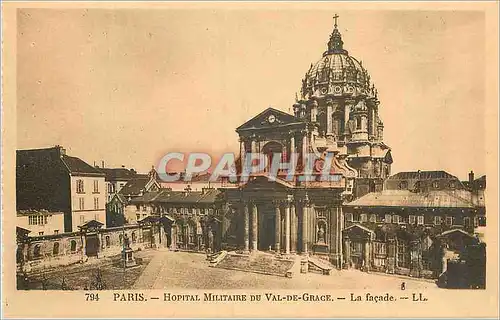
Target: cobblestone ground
(191, 271)
(84, 276)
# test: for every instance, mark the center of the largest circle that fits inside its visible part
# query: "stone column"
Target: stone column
(255, 227)
(305, 225)
(277, 233)
(246, 227)
(242, 152)
(304, 151)
(329, 120)
(391, 256)
(293, 227)
(367, 255)
(287, 227)
(292, 144)
(347, 249)
(254, 146)
(173, 237)
(347, 108)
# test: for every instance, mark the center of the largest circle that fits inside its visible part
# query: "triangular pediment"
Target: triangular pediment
(263, 182)
(357, 231)
(269, 118)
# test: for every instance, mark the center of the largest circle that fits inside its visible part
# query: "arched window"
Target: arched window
(73, 245)
(348, 217)
(358, 123)
(55, 250)
(108, 242)
(36, 251)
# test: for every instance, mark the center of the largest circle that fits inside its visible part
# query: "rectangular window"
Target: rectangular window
(395, 218)
(96, 186)
(81, 203)
(96, 203)
(449, 221)
(387, 218)
(411, 219)
(56, 231)
(45, 219)
(82, 219)
(420, 220)
(437, 220)
(40, 233)
(138, 216)
(466, 222)
(79, 186)
(40, 220)
(476, 222)
(363, 217)
(373, 218)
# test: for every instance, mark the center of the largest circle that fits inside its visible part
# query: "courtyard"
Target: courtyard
(162, 269)
(183, 270)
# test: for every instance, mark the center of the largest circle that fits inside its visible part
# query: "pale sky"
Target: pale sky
(125, 86)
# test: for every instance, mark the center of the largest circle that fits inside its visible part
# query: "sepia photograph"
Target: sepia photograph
(196, 150)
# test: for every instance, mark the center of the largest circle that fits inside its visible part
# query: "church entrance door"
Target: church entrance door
(266, 228)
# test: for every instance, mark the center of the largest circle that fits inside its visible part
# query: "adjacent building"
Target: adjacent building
(408, 227)
(116, 179)
(41, 222)
(49, 179)
(190, 218)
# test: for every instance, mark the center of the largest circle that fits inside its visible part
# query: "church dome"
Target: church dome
(336, 73)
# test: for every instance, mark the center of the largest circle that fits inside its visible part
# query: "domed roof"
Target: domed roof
(336, 73)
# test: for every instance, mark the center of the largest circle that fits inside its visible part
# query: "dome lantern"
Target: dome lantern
(336, 45)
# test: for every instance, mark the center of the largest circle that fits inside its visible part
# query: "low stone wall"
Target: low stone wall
(45, 252)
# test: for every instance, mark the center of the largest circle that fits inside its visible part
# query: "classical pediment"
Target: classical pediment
(268, 119)
(265, 183)
(357, 231)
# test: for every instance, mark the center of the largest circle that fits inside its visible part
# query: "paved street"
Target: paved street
(191, 271)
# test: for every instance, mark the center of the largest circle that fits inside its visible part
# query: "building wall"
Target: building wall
(42, 252)
(54, 224)
(88, 210)
(42, 182)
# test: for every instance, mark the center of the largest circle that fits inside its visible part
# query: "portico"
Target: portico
(280, 217)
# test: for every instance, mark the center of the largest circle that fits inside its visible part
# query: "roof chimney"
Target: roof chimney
(471, 177)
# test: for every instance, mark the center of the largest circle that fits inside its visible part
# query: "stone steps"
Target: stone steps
(258, 263)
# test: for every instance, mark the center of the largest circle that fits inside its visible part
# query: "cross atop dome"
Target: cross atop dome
(335, 17)
(336, 45)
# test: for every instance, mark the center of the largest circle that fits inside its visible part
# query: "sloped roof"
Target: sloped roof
(78, 166)
(146, 197)
(118, 174)
(178, 197)
(406, 198)
(261, 120)
(134, 186)
(422, 175)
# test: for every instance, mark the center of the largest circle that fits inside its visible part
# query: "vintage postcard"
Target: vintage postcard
(225, 159)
